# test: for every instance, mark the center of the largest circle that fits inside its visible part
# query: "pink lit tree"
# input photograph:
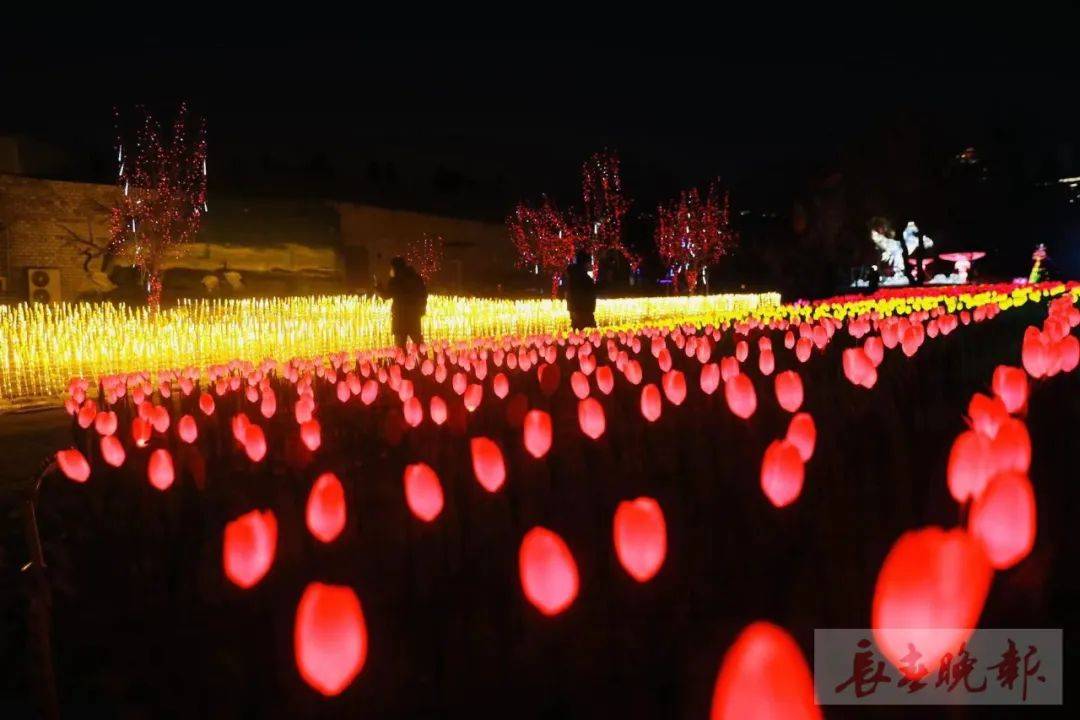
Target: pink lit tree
(693, 233)
(604, 209)
(162, 194)
(544, 240)
(426, 255)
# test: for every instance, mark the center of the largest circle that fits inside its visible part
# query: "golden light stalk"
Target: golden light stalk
(42, 347)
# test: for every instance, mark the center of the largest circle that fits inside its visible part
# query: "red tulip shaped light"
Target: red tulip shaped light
(640, 537)
(710, 378)
(591, 417)
(1003, 519)
(423, 492)
(782, 473)
(330, 637)
(325, 514)
(159, 469)
(674, 383)
(764, 676)
(970, 465)
(1011, 385)
(650, 402)
(740, 395)
(488, 464)
(605, 379)
(437, 409)
(74, 465)
(802, 433)
(789, 390)
(112, 451)
(549, 575)
(187, 429)
(536, 430)
(249, 547)
(930, 593)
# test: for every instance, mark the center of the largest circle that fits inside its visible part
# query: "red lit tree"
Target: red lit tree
(692, 233)
(604, 208)
(162, 198)
(545, 241)
(425, 255)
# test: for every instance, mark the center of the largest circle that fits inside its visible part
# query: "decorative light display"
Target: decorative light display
(43, 346)
(330, 637)
(425, 255)
(249, 547)
(764, 676)
(162, 194)
(693, 233)
(931, 587)
(929, 594)
(604, 208)
(545, 240)
(549, 575)
(640, 535)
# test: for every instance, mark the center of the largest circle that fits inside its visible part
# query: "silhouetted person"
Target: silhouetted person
(580, 293)
(408, 296)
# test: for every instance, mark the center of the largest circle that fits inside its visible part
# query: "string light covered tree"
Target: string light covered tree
(162, 198)
(604, 208)
(693, 233)
(426, 255)
(545, 241)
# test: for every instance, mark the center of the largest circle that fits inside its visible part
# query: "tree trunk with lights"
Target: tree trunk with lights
(692, 234)
(604, 208)
(545, 241)
(162, 195)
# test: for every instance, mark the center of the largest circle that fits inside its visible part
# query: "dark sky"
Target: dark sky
(472, 134)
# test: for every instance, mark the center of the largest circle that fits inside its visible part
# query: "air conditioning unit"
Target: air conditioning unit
(44, 284)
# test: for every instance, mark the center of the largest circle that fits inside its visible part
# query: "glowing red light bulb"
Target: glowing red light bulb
(330, 637)
(249, 547)
(325, 513)
(488, 464)
(549, 575)
(930, 592)
(73, 464)
(640, 537)
(536, 430)
(782, 473)
(423, 492)
(159, 469)
(764, 676)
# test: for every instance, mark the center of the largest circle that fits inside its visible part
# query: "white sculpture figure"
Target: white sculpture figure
(891, 252)
(911, 238)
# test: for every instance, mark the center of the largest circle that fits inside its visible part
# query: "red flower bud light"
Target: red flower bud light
(330, 637)
(249, 547)
(325, 513)
(640, 537)
(487, 463)
(549, 575)
(423, 493)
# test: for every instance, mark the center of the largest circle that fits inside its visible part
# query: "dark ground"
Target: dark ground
(145, 625)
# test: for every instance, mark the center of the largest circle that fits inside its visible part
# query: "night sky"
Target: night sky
(470, 134)
(316, 123)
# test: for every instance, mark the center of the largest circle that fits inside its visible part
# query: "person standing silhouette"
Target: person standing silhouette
(580, 293)
(408, 296)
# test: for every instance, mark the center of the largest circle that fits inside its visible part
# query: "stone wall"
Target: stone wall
(479, 257)
(51, 224)
(246, 246)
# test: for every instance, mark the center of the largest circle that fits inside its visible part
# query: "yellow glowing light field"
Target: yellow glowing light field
(43, 346)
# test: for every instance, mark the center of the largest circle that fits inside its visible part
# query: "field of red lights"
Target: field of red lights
(646, 522)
